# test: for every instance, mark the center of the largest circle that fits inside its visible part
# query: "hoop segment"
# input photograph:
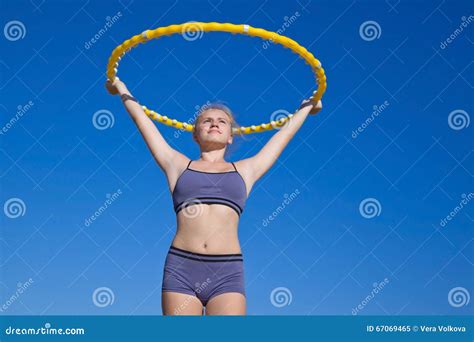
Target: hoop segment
(190, 27)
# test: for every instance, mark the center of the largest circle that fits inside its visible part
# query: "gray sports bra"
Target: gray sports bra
(197, 187)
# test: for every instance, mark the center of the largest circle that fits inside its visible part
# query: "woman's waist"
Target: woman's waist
(217, 241)
(175, 260)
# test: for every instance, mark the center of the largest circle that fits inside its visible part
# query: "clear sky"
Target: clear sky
(371, 184)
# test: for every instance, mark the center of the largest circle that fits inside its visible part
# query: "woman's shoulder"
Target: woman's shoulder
(244, 166)
(178, 164)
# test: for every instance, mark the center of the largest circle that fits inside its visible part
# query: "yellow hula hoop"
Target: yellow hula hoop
(189, 27)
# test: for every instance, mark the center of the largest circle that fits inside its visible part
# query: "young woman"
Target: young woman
(204, 265)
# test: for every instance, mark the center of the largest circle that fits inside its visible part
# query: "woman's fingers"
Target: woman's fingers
(111, 88)
(316, 107)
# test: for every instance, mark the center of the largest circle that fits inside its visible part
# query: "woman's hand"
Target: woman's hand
(316, 107)
(114, 87)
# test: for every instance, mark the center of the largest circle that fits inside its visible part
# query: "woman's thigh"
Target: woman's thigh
(175, 303)
(230, 303)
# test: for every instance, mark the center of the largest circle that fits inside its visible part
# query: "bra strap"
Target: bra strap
(234, 166)
(187, 167)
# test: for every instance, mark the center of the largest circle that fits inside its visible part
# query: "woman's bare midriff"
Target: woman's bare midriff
(208, 229)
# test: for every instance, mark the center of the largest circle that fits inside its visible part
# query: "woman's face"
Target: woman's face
(213, 127)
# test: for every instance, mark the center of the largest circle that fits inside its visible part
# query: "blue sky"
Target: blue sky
(371, 177)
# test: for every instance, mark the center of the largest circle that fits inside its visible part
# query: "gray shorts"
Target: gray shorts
(203, 275)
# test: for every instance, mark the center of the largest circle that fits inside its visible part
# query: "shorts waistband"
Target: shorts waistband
(205, 257)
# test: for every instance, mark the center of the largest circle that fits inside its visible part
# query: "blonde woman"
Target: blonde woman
(204, 264)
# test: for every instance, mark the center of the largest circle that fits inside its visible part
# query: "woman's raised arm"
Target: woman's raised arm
(164, 154)
(256, 166)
